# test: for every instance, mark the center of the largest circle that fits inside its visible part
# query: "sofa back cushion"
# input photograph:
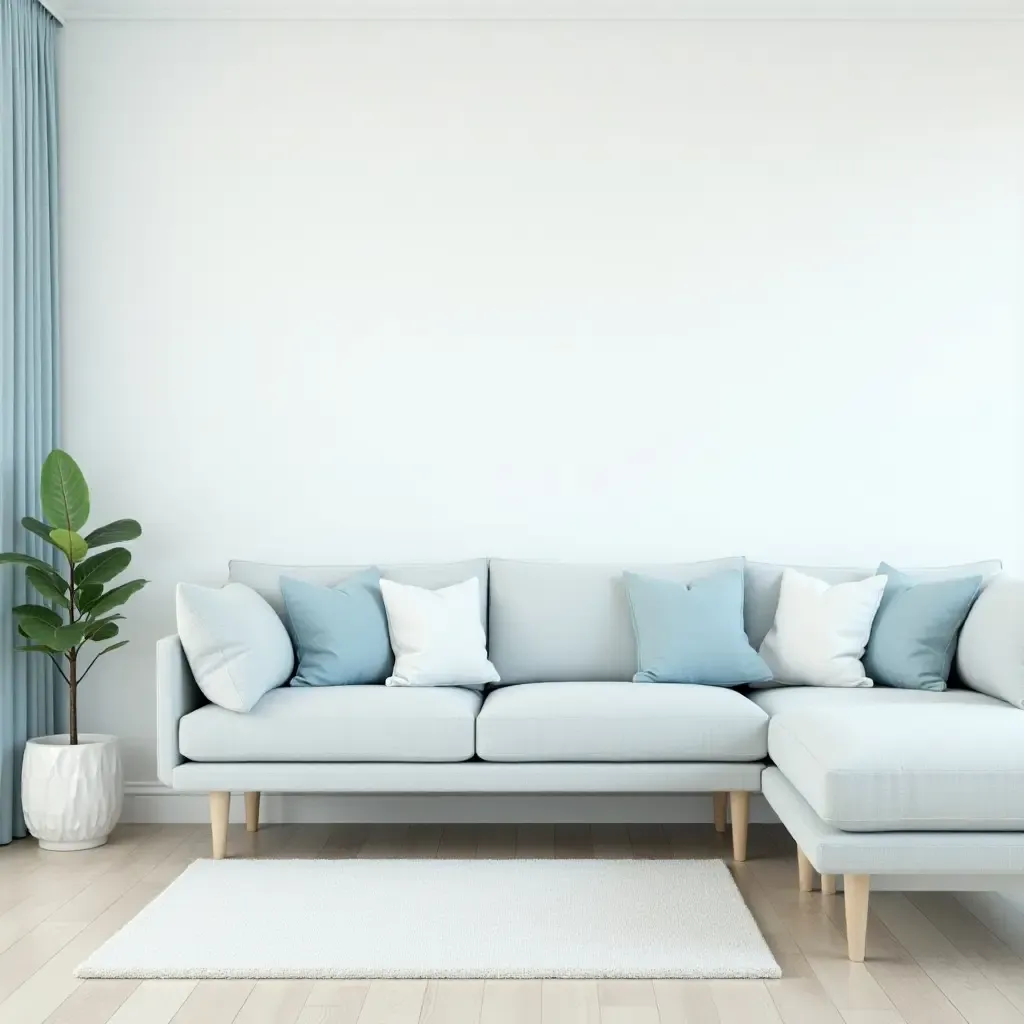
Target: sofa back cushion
(265, 578)
(763, 580)
(564, 622)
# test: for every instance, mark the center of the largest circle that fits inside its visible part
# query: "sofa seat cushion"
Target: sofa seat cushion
(877, 760)
(338, 723)
(611, 721)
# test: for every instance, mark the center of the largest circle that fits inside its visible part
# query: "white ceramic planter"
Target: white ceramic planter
(72, 795)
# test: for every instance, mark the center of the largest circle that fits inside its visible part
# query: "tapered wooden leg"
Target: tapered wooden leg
(856, 889)
(739, 809)
(828, 885)
(252, 812)
(720, 799)
(220, 804)
(805, 870)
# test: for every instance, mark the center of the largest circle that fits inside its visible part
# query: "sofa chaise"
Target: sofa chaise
(867, 781)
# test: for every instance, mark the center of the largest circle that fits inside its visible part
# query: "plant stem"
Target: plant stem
(72, 657)
(73, 696)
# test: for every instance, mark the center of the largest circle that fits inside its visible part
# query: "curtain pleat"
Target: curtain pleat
(29, 361)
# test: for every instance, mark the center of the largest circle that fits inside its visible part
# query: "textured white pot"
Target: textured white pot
(72, 795)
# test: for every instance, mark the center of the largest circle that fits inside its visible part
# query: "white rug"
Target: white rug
(442, 919)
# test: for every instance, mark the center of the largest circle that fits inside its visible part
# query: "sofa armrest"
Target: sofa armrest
(176, 695)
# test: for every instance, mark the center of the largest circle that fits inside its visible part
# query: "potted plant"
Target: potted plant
(71, 786)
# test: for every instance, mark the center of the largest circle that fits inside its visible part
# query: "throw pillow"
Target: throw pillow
(990, 655)
(913, 638)
(341, 633)
(692, 633)
(236, 646)
(437, 635)
(821, 630)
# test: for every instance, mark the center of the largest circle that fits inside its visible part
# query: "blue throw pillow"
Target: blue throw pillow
(692, 633)
(913, 637)
(340, 633)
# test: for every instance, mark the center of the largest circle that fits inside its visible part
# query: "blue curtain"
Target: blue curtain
(29, 360)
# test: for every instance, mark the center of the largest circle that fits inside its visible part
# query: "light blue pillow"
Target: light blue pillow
(340, 633)
(913, 637)
(692, 634)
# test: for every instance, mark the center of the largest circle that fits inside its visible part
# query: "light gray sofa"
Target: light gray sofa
(580, 726)
(906, 782)
(868, 781)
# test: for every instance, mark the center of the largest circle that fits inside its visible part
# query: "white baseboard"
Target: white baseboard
(153, 802)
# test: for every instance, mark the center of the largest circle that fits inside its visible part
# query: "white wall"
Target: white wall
(379, 291)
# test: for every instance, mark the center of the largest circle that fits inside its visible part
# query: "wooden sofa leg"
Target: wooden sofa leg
(720, 799)
(856, 889)
(805, 870)
(739, 810)
(220, 804)
(828, 885)
(252, 812)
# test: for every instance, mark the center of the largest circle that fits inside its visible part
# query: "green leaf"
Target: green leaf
(107, 631)
(49, 584)
(103, 567)
(35, 648)
(117, 596)
(87, 594)
(56, 580)
(71, 635)
(36, 526)
(40, 633)
(63, 492)
(107, 650)
(94, 624)
(72, 544)
(114, 533)
(15, 557)
(34, 611)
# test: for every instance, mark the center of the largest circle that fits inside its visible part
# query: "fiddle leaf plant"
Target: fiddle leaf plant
(78, 608)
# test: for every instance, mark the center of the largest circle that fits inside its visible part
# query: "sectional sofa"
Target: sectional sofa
(867, 781)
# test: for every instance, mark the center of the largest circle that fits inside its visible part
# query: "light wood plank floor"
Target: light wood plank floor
(930, 960)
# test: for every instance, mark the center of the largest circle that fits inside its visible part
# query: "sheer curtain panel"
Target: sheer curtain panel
(29, 360)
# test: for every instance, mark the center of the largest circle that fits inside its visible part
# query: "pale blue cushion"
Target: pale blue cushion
(692, 633)
(340, 633)
(913, 637)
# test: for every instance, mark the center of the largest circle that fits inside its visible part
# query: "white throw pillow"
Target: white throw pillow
(990, 655)
(821, 630)
(236, 646)
(437, 636)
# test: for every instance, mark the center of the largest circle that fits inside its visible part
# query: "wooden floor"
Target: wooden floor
(930, 960)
